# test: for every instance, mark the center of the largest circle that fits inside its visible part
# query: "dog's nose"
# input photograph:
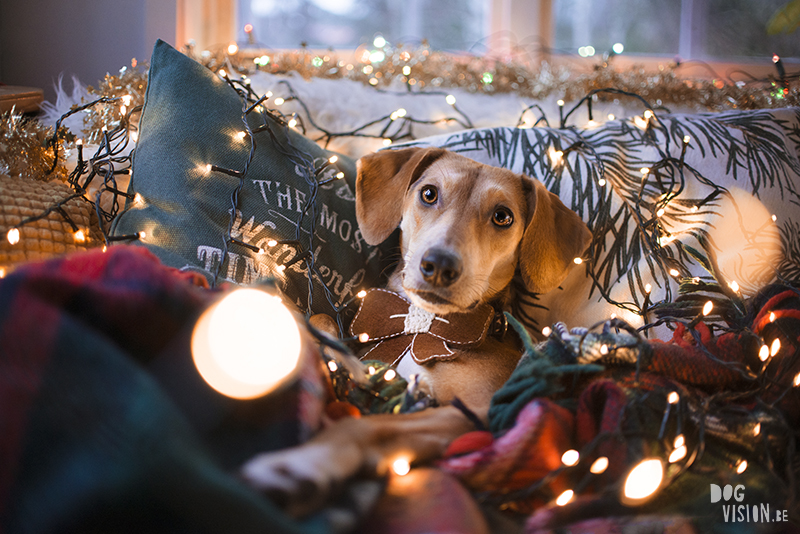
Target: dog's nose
(439, 267)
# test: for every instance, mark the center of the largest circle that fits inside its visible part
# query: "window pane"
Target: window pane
(739, 28)
(447, 24)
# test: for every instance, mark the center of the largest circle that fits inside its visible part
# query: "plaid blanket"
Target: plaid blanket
(105, 426)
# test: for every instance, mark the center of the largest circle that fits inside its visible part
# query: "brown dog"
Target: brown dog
(466, 230)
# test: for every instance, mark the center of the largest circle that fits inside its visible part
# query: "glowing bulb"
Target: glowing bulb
(339, 175)
(592, 124)
(604, 349)
(601, 182)
(279, 101)
(680, 441)
(363, 337)
(763, 353)
(565, 497)
(741, 467)
(645, 171)
(208, 168)
(281, 268)
(734, 286)
(271, 243)
(241, 135)
(560, 103)
(686, 139)
(611, 116)
(546, 331)
(578, 261)
(229, 348)
(371, 370)
(708, 307)
(648, 114)
(332, 366)
(79, 142)
(123, 110)
(223, 73)
(644, 480)
(774, 218)
(618, 48)
(13, 236)
(570, 457)
(772, 317)
(555, 156)
(134, 136)
(333, 159)
(599, 465)
(79, 236)
(361, 294)
(2, 272)
(678, 454)
(401, 467)
(377, 56)
(648, 288)
(757, 428)
(450, 99)
(640, 122)
(660, 213)
(232, 49)
(407, 72)
(673, 397)
(775, 347)
(142, 235)
(389, 375)
(292, 123)
(674, 272)
(694, 209)
(387, 142)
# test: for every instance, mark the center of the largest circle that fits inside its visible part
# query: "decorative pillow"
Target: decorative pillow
(192, 120)
(669, 198)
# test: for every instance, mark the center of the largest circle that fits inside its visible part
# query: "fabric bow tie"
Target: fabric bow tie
(399, 327)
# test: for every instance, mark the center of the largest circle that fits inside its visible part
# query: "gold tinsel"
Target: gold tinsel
(25, 150)
(131, 82)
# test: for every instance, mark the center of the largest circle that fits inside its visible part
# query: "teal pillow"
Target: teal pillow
(191, 119)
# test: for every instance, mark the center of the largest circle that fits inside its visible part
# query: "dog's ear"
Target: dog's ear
(553, 238)
(381, 184)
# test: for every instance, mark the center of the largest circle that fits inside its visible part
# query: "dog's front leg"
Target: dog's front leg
(303, 478)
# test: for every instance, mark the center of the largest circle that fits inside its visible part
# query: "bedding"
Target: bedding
(107, 425)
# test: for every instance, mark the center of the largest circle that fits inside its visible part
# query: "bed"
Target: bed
(112, 254)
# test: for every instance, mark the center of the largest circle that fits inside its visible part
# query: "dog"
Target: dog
(466, 231)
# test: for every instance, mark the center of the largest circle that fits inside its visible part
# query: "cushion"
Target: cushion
(190, 120)
(668, 198)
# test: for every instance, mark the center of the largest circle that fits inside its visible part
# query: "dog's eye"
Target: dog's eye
(502, 217)
(429, 194)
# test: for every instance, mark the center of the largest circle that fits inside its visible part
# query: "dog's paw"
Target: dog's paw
(303, 479)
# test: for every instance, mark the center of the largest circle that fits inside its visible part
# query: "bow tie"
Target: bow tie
(399, 327)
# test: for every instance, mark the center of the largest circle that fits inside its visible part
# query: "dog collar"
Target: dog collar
(398, 327)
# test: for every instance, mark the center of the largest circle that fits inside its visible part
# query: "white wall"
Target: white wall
(40, 39)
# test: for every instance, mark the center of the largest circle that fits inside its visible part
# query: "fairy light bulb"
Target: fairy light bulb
(363, 337)
(546, 331)
(123, 109)
(279, 101)
(371, 370)
(577, 261)
(241, 135)
(611, 116)
(763, 353)
(601, 182)
(134, 136)
(678, 454)
(387, 142)
(389, 375)
(775, 347)
(401, 466)
(281, 268)
(673, 397)
(757, 428)
(2, 272)
(560, 103)
(232, 49)
(648, 288)
(13, 236)
(645, 171)
(796, 381)
(223, 73)
(339, 175)
(734, 285)
(407, 72)
(555, 156)
(660, 213)
(570, 457)
(708, 307)
(208, 168)
(247, 344)
(640, 123)
(599, 466)
(741, 466)
(686, 139)
(648, 114)
(292, 122)
(643, 480)
(565, 497)
(332, 366)
(271, 243)
(361, 294)
(142, 234)
(603, 349)
(450, 99)
(333, 159)
(772, 317)
(79, 236)
(680, 441)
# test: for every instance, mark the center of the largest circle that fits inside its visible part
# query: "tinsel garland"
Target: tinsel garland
(25, 151)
